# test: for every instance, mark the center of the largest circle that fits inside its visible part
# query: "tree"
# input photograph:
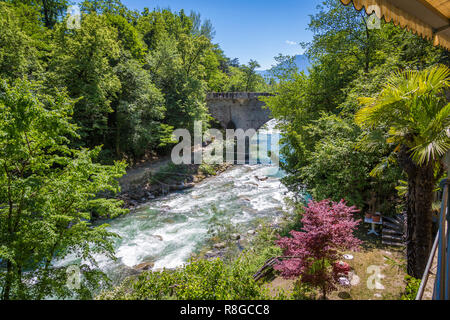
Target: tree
(131, 43)
(138, 112)
(180, 78)
(337, 171)
(82, 63)
(414, 113)
(343, 32)
(250, 74)
(51, 10)
(316, 111)
(114, 7)
(204, 29)
(48, 192)
(327, 231)
(18, 43)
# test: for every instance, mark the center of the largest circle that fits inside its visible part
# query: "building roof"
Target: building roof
(427, 18)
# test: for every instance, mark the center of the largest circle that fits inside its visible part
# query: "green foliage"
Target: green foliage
(48, 192)
(138, 112)
(412, 287)
(131, 41)
(50, 10)
(321, 142)
(197, 280)
(135, 76)
(302, 291)
(207, 169)
(18, 41)
(81, 63)
(414, 109)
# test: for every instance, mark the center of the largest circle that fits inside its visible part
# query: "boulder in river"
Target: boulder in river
(145, 266)
(182, 186)
(235, 236)
(210, 254)
(220, 245)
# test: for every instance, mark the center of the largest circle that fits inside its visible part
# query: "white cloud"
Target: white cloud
(291, 43)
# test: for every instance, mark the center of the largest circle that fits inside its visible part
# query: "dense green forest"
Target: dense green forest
(332, 155)
(79, 105)
(133, 76)
(75, 100)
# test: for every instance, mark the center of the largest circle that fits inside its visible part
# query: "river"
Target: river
(168, 230)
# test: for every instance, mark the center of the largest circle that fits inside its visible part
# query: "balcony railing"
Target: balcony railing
(441, 247)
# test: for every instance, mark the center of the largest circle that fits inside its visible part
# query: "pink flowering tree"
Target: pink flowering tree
(312, 254)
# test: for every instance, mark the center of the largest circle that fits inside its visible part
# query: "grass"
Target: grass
(390, 261)
(392, 275)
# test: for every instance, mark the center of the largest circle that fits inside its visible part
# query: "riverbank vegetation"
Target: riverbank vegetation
(134, 76)
(336, 149)
(48, 194)
(71, 98)
(79, 104)
(232, 276)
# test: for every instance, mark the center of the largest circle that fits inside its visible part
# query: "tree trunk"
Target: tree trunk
(419, 200)
(8, 282)
(46, 13)
(421, 204)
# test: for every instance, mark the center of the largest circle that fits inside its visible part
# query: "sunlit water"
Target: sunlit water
(168, 230)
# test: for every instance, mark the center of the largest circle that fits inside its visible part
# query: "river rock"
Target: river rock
(145, 266)
(235, 236)
(251, 232)
(157, 236)
(210, 254)
(220, 245)
(124, 273)
(182, 186)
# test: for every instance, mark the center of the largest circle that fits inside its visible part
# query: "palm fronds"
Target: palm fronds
(412, 107)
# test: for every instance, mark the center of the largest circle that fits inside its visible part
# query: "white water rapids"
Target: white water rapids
(168, 230)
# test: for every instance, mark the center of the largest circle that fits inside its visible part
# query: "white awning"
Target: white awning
(427, 18)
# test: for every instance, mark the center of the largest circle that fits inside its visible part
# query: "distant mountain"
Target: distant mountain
(301, 61)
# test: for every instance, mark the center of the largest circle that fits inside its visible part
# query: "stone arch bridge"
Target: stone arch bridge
(238, 110)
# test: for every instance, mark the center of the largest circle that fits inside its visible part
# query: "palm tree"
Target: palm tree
(414, 113)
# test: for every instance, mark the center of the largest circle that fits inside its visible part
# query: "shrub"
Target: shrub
(412, 287)
(327, 230)
(197, 280)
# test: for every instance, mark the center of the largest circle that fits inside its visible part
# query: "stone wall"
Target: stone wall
(238, 110)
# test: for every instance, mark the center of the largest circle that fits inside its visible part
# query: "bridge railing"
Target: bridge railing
(236, 95)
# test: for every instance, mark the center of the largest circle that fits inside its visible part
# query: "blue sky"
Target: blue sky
(249, 29)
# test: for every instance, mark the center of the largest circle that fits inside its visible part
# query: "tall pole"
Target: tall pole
(447, 236)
